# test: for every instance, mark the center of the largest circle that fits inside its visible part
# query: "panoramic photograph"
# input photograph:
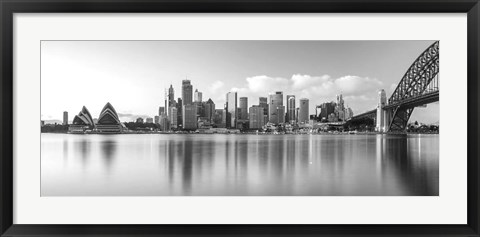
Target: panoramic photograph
(240, 118)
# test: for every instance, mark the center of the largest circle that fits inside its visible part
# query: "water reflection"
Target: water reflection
(108, 148)
(239, 165)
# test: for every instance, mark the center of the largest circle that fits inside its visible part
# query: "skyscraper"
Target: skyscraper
(209, 110)
(291, 109)
(171, 97)
(381, 114)
(220, 118)
(161, 110)
(189, 117)
(197, 96)
(187, 90)
(173, 117)
(256, 117)
(326, 109)
(179, 112)
(276, 116)
(263, 102)
(65, 118)
(303, 114)
(231, 110)
(243, 108)
(340, 109)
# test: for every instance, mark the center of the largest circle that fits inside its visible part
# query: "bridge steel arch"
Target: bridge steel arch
(419, 80)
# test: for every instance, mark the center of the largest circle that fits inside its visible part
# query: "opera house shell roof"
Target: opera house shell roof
(83, 118)
(108, 115)
(108, 121)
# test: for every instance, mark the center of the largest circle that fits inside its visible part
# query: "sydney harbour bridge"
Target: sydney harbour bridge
(418, 87)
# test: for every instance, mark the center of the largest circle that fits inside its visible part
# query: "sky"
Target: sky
(133, 75)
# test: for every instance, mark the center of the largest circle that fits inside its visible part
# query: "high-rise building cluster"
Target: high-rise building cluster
(191, 112)
(333, 111)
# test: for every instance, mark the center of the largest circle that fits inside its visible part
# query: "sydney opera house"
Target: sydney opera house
(108, 122)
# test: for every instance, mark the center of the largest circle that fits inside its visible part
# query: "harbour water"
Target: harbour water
(239, 165)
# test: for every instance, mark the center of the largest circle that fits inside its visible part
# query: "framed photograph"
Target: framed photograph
(232, 118)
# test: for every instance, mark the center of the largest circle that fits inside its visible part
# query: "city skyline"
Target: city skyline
(357, 90)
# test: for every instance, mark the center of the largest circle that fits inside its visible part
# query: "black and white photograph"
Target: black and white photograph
(239, 118)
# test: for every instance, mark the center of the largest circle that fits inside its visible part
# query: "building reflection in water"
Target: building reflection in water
(204, 165)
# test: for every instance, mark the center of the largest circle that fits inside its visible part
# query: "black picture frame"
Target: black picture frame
(9, 7)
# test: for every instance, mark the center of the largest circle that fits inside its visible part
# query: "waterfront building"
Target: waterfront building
(381, 125)
(232, 114)
(42, 123)
(173, 117)
(164, 123)
(263, 102)
(200, 109)
(326, 109)
(171, 97)
(65, 118)
(157, 119)
(281, 114)
(161, 110)
(95, 120)
(140, 120)
(108, 121)
(291, 109)
(276, 102)
(303, 113)
(220, 118)
(340, 108)
(197, 96)
(187, 90)
(256, 117)
(348, 113)
(81, 122)
(179, 112)
(149, 120)
(209, 110)
(243, 108)
(189, 117)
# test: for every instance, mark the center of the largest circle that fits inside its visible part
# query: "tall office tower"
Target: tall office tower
(164, 123)
(189, 117)
(231, 110)
(303, 114)
(161, 110)
(65, 118)
(326, 109)
(220, 118)
(276, 102)
(173, 117)
(281, 114)
(179, 112)
(340, 102)
(157, 119)
(243, 108)
(297, 110)
(263, 102)
(256, 117)
(209, 110)
(381, 114)
(197, 96)
(291, 109)
(187, 90)
(348, 113)
(340, 109)
(171, 97)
